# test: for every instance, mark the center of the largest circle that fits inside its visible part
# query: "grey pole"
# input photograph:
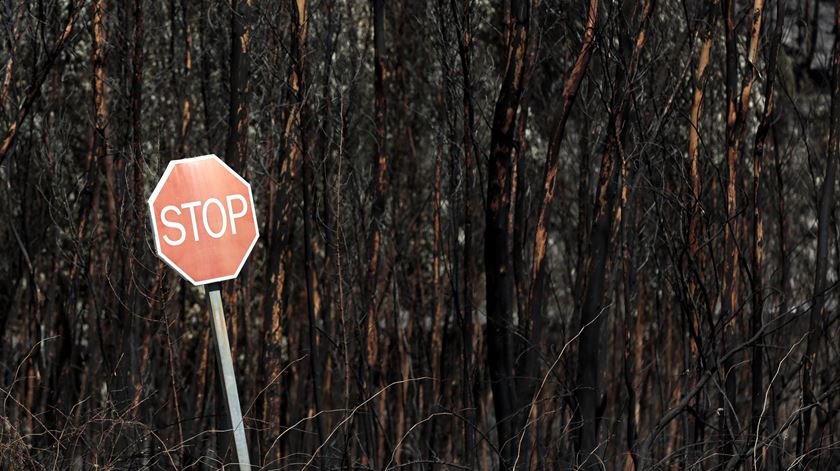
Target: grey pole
(214, 297)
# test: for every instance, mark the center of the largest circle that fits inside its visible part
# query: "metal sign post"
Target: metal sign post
(217, 314)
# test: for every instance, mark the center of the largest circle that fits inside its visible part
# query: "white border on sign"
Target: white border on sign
(153, 197)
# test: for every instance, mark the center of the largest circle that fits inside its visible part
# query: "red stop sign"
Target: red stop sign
(203, 219)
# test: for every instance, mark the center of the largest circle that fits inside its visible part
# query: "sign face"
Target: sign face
(203, 219)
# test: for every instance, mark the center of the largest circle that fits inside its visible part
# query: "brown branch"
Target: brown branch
(34, 90)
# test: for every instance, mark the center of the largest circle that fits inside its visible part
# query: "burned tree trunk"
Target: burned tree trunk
(299, 30)
(498, 266)
(240, 63)
(464, 32)
(758, 291)
(736, 115)
(694, 264)
(592, 318)
(826, 206)
(380, 179)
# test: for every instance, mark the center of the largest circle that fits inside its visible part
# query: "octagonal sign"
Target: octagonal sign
(203, 219)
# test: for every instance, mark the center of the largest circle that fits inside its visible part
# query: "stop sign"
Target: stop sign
(203, 219)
